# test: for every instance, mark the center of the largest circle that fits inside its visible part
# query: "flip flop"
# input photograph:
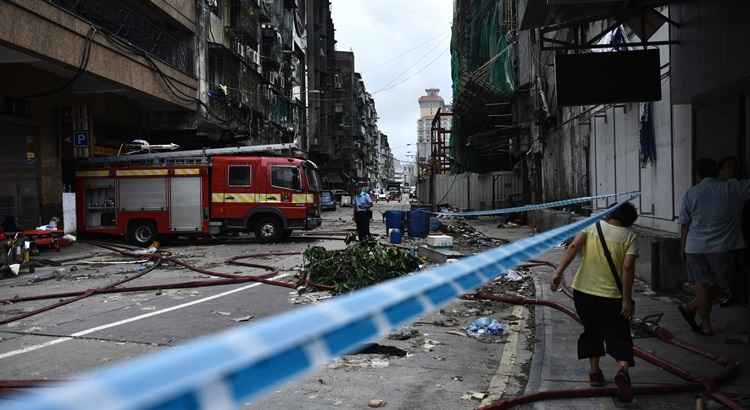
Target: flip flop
(689, 318)
(702, 331)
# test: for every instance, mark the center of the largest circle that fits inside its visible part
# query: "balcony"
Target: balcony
(246, 18)
(148, 33)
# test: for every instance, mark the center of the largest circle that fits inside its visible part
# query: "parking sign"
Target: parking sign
(81, 139)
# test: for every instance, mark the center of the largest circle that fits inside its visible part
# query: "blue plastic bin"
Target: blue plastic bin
(394, 219)
(395, 236)
(419, 223)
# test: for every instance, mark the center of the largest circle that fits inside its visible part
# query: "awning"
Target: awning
(566, 13)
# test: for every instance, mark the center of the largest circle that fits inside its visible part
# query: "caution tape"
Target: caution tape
(535, 207)
(226, 370)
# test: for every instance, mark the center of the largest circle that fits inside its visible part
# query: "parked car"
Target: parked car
(327, 201)
(337, 194)
(394, 195)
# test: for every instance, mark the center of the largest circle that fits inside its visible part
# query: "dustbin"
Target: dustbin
(419, 223)
(394, 219)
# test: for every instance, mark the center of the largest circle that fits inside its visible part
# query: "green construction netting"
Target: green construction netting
(478, 35)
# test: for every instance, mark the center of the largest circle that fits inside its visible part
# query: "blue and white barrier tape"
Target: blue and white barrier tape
(225, 370)
(535, 207)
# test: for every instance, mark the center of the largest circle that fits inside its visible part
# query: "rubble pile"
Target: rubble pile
(469, 236)
(357, 266)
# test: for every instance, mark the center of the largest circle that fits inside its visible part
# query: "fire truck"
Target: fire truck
(200, 192)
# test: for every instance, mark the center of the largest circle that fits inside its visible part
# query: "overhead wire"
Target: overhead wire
(407, 79)
(85, 57)
(419, 62)
(420, 45)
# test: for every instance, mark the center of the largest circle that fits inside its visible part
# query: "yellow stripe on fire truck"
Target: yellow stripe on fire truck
(303, 198)
(238, 198)
(97, 173)
(187, 171)
(141, 172)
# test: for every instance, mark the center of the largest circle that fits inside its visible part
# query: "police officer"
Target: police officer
(362, 214)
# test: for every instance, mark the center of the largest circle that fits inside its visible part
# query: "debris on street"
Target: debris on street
(403, 334)
(360, 362)
(466, 235)
(357, 266)
(376, 403)
(513, 276)
(298, 298)
(472, 395)
(483, 327)
(244, 318)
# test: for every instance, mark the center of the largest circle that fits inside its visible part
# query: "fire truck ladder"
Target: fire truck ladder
(193, 156)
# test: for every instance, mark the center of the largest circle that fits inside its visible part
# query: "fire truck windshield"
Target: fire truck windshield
(313, 183)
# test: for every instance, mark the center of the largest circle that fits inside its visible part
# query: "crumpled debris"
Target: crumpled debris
(485, 326)
(357, 266)
(430, 344)
(361, 363)
(376, 403)
(244, 318)
(466, 234)
(513, 276)
(404, 334)
(298, 298)
(473, 395)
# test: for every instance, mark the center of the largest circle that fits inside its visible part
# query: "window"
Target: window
(313, 182)
(286, 177)
(239, 175)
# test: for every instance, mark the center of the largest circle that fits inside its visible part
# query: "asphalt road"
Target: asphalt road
(111, 328)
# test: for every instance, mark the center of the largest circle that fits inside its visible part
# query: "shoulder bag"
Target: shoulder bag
(611, 263)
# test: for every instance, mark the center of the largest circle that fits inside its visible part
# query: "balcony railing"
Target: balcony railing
(246, 17)
(136, 28)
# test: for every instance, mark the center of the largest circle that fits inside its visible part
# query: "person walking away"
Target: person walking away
(362, 215)
(729, 170)
(711, 235)
(602, 292)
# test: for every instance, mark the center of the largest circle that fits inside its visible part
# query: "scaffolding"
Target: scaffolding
(439, 143)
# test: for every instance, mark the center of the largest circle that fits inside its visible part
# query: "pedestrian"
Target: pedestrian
(711, 235)
(729, 170)
(363, 214)
(602, 292)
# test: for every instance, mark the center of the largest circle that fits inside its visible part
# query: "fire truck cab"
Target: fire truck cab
(204, 192)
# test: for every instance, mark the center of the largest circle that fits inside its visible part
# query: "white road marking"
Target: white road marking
(130, 320)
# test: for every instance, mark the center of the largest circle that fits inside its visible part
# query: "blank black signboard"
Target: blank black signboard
(604, 78)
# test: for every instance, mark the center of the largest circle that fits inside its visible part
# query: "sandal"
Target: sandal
(624, 388)
(596, 379)
(689, 318)
(701, 331)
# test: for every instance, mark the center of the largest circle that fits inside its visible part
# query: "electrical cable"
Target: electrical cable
(396, 57)
(388, 88)
(419, 62)
(85, 56)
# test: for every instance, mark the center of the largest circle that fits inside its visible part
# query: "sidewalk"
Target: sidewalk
(555, 365)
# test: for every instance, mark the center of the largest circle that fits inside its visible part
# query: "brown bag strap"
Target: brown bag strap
(608, 255)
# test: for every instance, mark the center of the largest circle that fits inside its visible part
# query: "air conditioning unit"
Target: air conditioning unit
(239, 48)
(253, 56)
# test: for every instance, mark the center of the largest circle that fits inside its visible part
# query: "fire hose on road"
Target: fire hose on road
(709, 386)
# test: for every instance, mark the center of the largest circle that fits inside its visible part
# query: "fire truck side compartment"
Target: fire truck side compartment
(185, 204)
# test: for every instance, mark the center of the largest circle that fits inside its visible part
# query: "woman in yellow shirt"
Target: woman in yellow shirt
(604, 310)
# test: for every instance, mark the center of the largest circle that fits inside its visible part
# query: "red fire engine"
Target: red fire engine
(209, 192)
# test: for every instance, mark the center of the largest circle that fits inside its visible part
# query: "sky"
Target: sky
(401, 47)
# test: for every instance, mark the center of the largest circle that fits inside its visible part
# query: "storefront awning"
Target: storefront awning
(566, 13)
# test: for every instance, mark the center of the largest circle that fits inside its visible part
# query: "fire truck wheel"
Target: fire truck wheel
(141, 233)
(268, 230)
